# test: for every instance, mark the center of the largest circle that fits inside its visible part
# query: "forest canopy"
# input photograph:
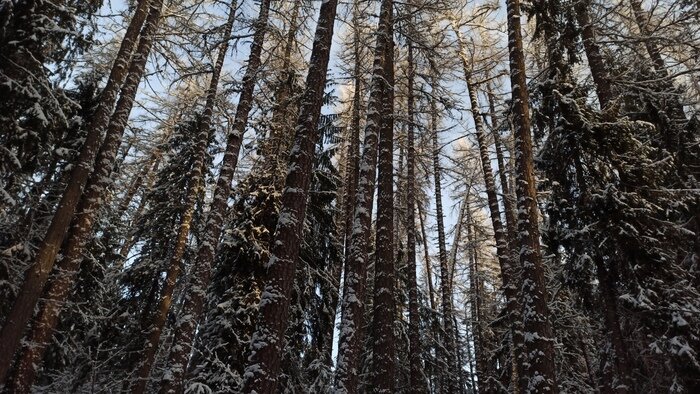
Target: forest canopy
(358, 196)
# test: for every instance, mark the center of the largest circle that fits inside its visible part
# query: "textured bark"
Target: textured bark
(505, 256)
(36, 277)
(195, 296)
(426, 257)
(599, 72)
(449, 347)
(539, 370)
(96, 190)
(384, 308)
(475, 299)
(640, 16)
(267, 343)
(352, 319)
(285, 104)
(416, 378)
(352, 171)
(155, 327)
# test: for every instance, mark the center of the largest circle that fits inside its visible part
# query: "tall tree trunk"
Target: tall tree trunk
(475, 298)
(36, 277)
(599, 72)
(352, 320)
(196, 183)
(640, 16)
(59, 287)
(267, 342)
(505, 257)
(448, 345)
(434, 323)
(352, 173)
(428, 265)
(384, 307)
(194, 298)
(285, 104)
(538, 350)
(416, 377)
(508, 198)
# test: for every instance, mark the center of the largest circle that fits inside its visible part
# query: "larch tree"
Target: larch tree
(540, 373)
(352, 306)
(155, 323)
(266, 344)
(35, 279)
(95, 193)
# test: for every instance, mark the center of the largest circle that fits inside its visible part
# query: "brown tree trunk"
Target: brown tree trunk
(599, 72)
(352, 320)
(36, 277)
(653, 51)
(384, 307)
(352, 171)
(449, 382)
(428, 265)
(539, 369)
(59, 287)
(416, 378)
(267, 342)
(201, 138)
(434, 323)
(195, 296)
(285, 105)
(505, 257)
(475, 298)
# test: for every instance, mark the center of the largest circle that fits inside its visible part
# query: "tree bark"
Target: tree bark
(36, 277)
(653, 51)
(195, 296)
(267, 342)
(201, 139)
(505, 257)
(449, 382)
(539, 369)
(352, 320)
(428, 265)
(59, 287)
(475, 299)
(384, 307)
(599, 72)
(416, 378)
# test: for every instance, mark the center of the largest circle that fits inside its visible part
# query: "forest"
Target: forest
(356, 196)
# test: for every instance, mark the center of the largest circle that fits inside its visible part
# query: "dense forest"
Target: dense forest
(358, 196)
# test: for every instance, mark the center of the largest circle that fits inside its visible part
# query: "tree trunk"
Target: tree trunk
(195, 296)
(36, 277)
(352, 173)
(428, 265)
(416, 377)
(505, 257)
(449, 383)
(384, 307)
(539, 369)
(59, 287)
(352, 320)
(201, 139)
(599, 72)
(653, 51)
(475, 298)
(267, 342)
